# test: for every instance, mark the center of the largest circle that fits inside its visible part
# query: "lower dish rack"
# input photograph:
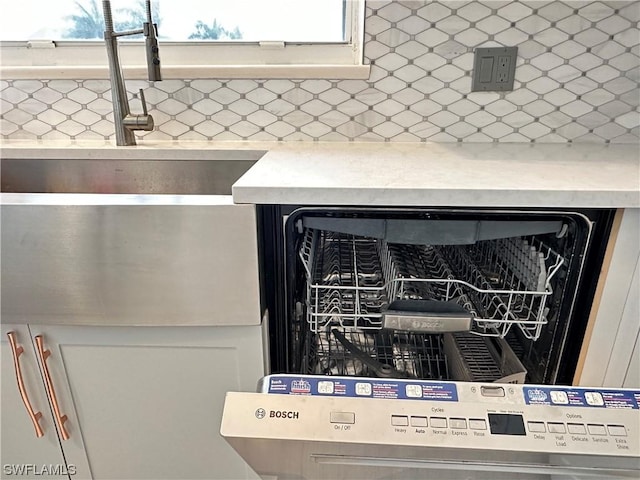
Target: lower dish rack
(451, 356)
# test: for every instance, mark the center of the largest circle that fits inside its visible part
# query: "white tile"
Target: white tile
(511, 37)
(30, 105)
(316, 86)
(625, 62)
(432, 37)
(314, 107)
(427, 84)
(452, 25)
(411, 49)
(278, 86)
(169, 86)
(207, 106)
(62, 86)
(412, 25)
(105, 128)
(36, 127)
(555, 11)
(225, 96)
(334, 96)
(375, 25)
(71, 128)
(542, 85)
(464, 61)
(595, 11)
(370, 118)
(580, 85)
(374, 50)
(226, 118)
(533, 25)
(433, 12)
(534, 130)
(461, 130)
(279, 129)
(315, 129)
(493, 25)
(474, 11)
(388, 130)
(610, 131)
(569, 49)
(394, 12)
(389, 108)
(466, 107)
(446, 96)
(614, 24)
(497, 130)
(244, 129)
(620, 85)
(429, 61)
(371, 96)
(551, 37)
(629, 119)
(206, 86)
(447, 73)
(392, 37)
(591, 37)
(279, 107)
(485, 98)
(547, 61)
(353, 107)
(500, 108)
(13, 95)
(297, 96)
(190, 117)
(559, 97)
(576, 108)
(471, 37)
(598, 97)
(480, 119)
(530, 49)
(526, 73)
(407, 118)
(538, 108)
(52, 117)
(409, 73)
(593, 120)
(603, 73)
(450, 49)
(564, 73)
(19, 117)
(174, 128)
(45, 95)
(517, 119)
(514, 11)
(334, 118)
(187, 95)
(28, 86)
(573, 24)
(261, 96)
(209, 129)
(614, 109)
(86, 117)
(443, 119)
(171, 106)
(391, 61)
(572, 130)
(631, 11)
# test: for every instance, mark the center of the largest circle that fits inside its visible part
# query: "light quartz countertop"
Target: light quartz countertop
(402, 174)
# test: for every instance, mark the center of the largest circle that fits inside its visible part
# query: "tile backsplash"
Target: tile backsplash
(577, 80)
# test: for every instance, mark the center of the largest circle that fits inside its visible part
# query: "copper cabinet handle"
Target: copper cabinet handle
(17, 351)
(60, 419)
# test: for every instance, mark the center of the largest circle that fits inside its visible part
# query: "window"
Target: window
(198, 38)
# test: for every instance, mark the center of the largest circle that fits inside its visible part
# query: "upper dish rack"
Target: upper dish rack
(351, 280)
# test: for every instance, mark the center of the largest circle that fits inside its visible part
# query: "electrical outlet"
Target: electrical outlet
(502, 70)
(494, 69)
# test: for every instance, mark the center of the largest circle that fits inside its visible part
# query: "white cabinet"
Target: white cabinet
(24, 452)
(145, 402)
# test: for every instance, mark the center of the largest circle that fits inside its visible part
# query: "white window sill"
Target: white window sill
(330, 72)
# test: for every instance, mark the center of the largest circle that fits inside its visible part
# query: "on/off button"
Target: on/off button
(348, 418)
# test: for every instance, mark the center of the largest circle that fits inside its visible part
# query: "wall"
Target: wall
(576, 81)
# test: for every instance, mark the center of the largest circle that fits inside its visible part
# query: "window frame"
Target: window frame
(48, 59)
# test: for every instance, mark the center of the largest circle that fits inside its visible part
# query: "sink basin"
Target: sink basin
(118, 176)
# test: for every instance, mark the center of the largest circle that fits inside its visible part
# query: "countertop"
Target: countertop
(402, 174)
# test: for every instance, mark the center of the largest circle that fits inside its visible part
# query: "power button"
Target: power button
(343, 417)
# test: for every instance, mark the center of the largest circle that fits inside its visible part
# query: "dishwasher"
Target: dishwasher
(431, 343)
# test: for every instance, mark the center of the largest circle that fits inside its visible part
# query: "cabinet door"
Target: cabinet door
(24, 454)
(149, 400)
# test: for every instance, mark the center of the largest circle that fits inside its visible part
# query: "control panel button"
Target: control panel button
(418, 421)
(492, 391)
(477, 424)
(617, 430)
(343, 417)
(438, 422)
(596, 429)
(556, 427)
(536, 427)
(458, 423)
(400, 420)
(576, 428)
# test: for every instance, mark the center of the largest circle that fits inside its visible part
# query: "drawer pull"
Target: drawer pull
(17, 351)
(60, 419)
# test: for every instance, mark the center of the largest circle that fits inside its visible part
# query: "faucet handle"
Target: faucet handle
(143, 102)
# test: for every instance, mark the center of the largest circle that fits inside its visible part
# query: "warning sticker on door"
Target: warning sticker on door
(362, 388)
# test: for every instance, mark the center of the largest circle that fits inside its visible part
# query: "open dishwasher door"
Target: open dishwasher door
(314, 427)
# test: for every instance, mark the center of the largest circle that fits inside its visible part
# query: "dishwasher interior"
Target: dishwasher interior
(466, 295)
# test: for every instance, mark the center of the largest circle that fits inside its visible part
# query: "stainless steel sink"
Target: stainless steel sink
(134, 240)
(111, 176)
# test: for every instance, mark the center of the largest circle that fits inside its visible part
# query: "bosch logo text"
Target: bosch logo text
(283, 414)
